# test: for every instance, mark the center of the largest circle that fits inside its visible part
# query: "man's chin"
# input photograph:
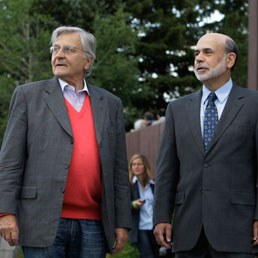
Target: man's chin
(59, 74)
(201, 78)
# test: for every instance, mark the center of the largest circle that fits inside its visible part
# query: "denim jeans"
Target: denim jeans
(75, 238)
(144, 244)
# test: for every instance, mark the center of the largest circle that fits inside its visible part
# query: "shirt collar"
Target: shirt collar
(63, 84)
(135, 179)
(221, 93)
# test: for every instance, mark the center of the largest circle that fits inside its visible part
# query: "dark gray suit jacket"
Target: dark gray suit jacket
(214, 190)
(35, 158)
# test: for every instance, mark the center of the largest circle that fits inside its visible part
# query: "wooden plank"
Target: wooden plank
(145, 141)
(253, 45)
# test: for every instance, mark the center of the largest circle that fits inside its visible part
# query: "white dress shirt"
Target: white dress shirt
(75, 99)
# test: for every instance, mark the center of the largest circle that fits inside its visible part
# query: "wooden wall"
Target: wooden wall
(253, 45)
(145, 141)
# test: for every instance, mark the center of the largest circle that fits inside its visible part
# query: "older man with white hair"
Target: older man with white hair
(63, 169)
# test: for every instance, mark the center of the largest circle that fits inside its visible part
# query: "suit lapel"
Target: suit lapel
(55, 100)
(192, 108)
(231, 109)
(98, 106)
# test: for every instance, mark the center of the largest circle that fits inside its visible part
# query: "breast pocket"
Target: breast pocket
(238, 132)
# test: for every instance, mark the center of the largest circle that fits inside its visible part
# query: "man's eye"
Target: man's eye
(69, 49)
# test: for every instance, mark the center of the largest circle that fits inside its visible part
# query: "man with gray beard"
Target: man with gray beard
(207, 164)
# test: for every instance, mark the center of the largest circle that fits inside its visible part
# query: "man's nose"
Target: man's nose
(199, 58)
(60, 53)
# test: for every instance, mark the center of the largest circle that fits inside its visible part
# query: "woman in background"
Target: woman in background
(142, 190)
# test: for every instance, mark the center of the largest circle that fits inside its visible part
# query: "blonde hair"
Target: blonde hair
(147, 171)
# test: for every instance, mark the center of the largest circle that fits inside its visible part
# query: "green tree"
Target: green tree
(116, 68)
(235, 24)
(169, 30)
(23, 41)
(24, 54)
(25, 31)
(144, 52)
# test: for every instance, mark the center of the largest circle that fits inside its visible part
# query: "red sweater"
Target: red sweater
(83, 192)
(82, 199)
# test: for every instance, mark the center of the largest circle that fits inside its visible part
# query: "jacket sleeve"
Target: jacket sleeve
(13, 153)
(121, 177)
(167, 172)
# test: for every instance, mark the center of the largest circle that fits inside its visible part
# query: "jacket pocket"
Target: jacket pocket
(28, 192)
(242, 198)
(179, 198)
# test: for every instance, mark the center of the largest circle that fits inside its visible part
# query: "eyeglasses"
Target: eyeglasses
(66, 49)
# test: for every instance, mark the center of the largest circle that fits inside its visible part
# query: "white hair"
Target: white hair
(88, 41)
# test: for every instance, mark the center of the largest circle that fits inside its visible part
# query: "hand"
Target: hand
(255, 233)
(9, 229)
(162, 234)
(121, 236)
(139, 202)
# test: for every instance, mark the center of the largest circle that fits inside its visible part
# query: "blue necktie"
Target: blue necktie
(210, 120)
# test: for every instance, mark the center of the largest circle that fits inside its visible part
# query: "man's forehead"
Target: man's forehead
(211, 41)
(68, 38)
(205, 48)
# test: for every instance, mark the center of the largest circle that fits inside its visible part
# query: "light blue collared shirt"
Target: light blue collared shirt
(146, 210)
(75, 99)
(222, 96)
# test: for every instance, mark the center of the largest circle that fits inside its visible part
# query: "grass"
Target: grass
(129, 251)
(20, 254)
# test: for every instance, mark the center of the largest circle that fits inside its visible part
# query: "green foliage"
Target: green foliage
(129, 251)
(20, 253)
(23, 41)
(6, 88)
(24, 54)
(235, 24)
(144, 52)
(116, 65)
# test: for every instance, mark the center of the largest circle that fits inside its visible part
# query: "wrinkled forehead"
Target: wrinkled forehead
(215, 42)
(68, 38)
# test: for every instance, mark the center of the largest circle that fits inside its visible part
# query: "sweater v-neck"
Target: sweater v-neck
(74, 111)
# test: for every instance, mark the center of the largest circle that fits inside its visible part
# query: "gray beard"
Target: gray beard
(218, 70)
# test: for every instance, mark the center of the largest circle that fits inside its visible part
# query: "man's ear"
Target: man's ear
(231, 59)
(88, 62)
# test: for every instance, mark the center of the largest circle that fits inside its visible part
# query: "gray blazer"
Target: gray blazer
(214, 190)
(35, 158)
